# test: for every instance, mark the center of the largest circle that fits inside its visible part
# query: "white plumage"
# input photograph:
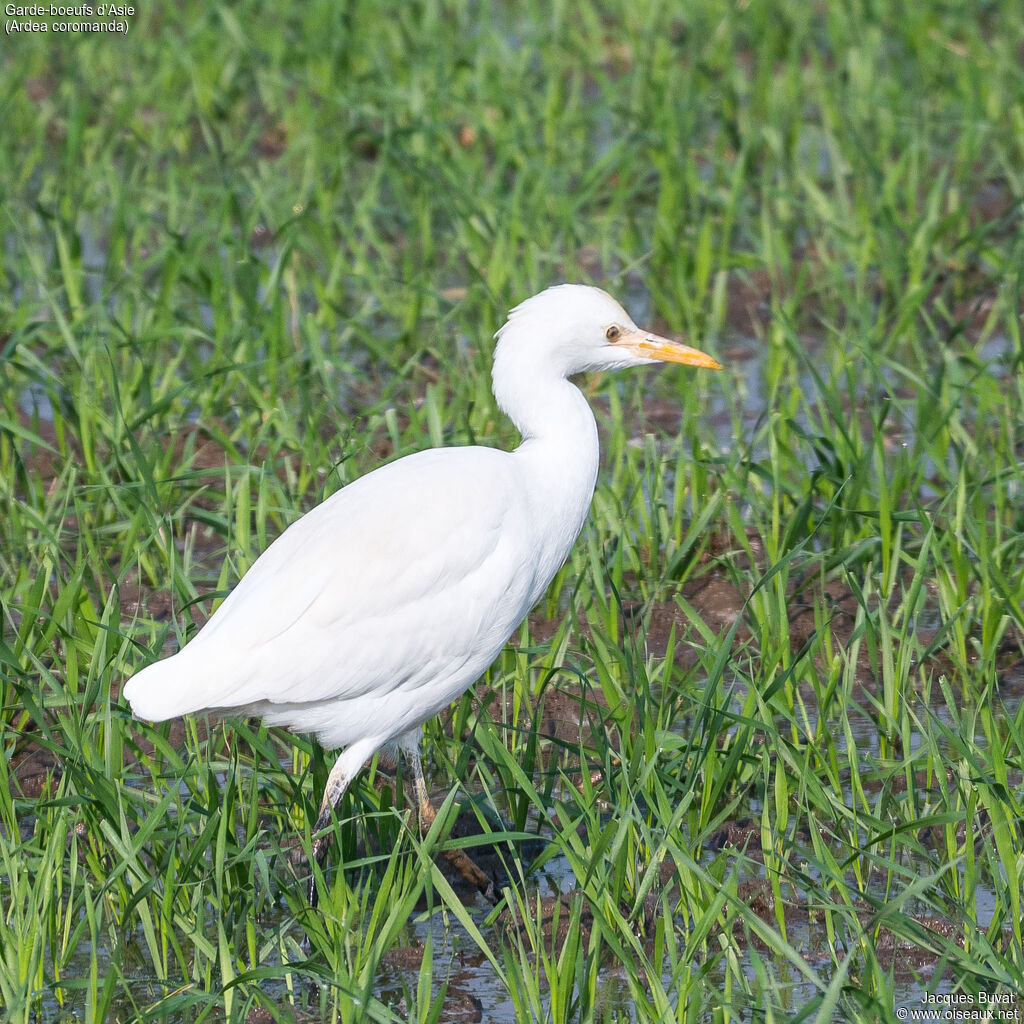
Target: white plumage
(379, 599)
(382, 605)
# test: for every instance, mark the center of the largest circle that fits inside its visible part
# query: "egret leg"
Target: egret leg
(466, 867)
(338, 781)
(336, 786)
(409, 742)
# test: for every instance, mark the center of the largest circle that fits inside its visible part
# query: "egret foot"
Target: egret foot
(460, 861)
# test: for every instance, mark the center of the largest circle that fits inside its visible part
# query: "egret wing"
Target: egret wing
(393, 581)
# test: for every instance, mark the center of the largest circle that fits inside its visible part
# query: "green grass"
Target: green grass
(249, 253)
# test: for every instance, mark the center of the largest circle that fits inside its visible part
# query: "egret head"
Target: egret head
(571, 328)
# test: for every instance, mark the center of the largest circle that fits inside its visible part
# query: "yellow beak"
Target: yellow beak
(650, 346)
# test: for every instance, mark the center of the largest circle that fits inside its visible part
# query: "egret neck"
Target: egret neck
(558, 458)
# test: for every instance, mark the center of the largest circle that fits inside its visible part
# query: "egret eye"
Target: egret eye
(613, 332)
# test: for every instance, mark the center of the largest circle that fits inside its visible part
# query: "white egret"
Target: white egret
(382, 605)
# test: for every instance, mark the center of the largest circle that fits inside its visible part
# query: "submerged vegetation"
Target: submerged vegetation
(758, 754)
